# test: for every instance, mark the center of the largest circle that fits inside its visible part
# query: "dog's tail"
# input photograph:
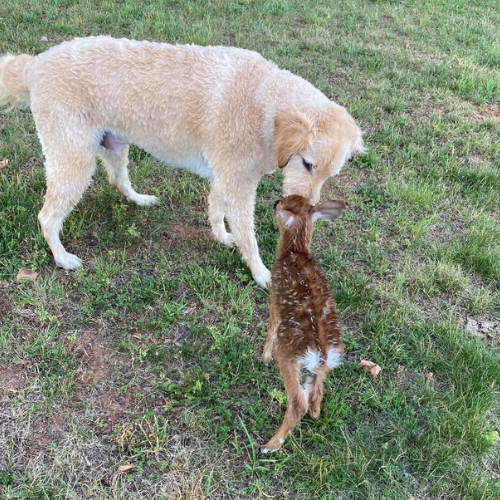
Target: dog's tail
(13, 89)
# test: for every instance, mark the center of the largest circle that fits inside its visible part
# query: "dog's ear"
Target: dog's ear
(292, 133)
(328, 210)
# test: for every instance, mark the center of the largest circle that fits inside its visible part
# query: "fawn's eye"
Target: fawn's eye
(308, 165)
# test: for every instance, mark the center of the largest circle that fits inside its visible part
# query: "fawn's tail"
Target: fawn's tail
(13, 89)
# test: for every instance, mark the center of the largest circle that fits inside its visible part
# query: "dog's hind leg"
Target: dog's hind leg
(114, 156)
(70, 153)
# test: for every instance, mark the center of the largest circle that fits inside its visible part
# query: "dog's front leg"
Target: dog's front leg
(239, 214)
(216, 214)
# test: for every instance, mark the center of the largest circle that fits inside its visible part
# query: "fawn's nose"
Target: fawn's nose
(314, 198)
(276, 204)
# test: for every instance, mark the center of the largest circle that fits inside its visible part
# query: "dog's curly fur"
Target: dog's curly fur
(224, 113)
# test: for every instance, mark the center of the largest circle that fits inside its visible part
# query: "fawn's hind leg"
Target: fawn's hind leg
(114, 156)
(314, 389)
(297, 403)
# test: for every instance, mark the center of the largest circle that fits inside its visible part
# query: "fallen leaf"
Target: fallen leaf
(26, 274)
(484, 326)
(125, 468)
(206, 376)
(429, 377)
(3, 163)
(371, 367)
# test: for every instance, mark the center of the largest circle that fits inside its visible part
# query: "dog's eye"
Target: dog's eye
(308, 165)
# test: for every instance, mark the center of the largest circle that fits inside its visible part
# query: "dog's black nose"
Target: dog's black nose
(276, 204)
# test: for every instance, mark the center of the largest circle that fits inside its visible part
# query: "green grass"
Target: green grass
(150, 354)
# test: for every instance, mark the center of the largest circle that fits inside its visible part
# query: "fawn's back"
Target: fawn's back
(309, 330)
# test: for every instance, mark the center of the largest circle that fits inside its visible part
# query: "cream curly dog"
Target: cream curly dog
(224, 113)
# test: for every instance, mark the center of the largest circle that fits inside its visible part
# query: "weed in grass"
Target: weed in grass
(148, 435)
(419, 195)
(482, 300)
(476, 257)
(439, 277)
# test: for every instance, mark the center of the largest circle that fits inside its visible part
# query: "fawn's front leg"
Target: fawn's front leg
(272, 329)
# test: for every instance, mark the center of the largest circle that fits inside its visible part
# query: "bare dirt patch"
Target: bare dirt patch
(95, 357)
(5, 306)
(12, 377)
(44, 431)
(35, 162)
(179, 234)
(140, 250)
(112, 405)
(486, 112)
(29, 318)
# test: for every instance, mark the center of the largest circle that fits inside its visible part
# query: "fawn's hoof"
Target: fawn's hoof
(266, 357)
(273, 445)
(314, 412)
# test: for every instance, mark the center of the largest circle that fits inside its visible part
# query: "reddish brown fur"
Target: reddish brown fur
(302, 316)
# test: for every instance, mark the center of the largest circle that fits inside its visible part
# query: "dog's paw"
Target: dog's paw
(262, 277)
(144, 200)
(69, 262)
(227, 239)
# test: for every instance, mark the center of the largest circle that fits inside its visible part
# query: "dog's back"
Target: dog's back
(138, 86)
(303, 331)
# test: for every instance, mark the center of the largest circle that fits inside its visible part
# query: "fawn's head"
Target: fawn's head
(296, 216)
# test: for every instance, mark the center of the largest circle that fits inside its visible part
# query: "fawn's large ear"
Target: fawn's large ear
(292, 133)
(328, 210)
(286, 217)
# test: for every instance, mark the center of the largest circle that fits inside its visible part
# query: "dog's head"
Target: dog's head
(312, 145)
